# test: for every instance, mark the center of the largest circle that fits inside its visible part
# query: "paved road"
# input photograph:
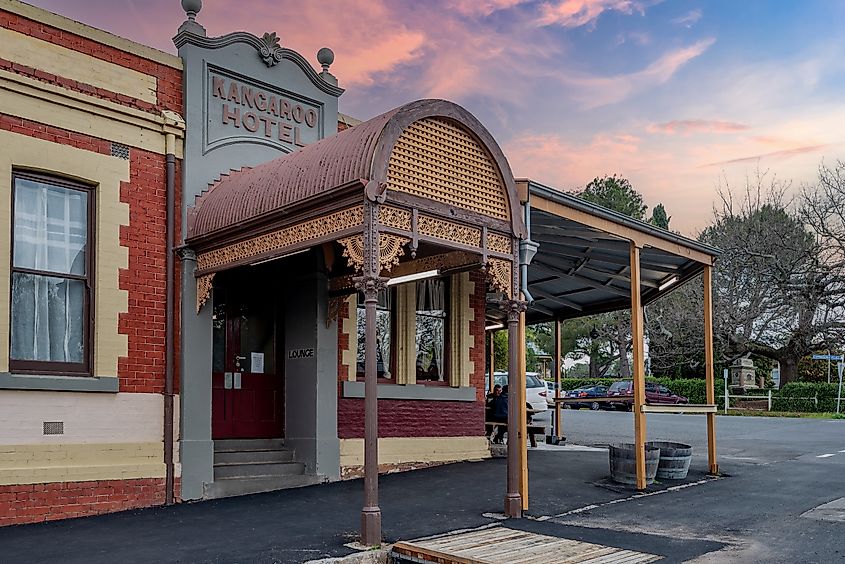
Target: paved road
(778, 469)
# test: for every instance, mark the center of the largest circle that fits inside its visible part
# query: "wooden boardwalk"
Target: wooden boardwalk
(501, 545)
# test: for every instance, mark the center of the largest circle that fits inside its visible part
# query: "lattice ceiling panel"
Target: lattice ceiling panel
(438, 160)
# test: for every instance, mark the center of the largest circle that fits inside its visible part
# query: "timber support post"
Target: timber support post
(637, 335)
(558, 362)
(709, 369)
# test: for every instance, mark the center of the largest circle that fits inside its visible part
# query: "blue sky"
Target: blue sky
(676, 95)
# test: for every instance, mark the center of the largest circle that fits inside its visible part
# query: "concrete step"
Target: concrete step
(246, 456)
(257, 469)
(239, 445)
(230, 487)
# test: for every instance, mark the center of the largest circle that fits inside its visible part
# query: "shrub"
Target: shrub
(798, 396)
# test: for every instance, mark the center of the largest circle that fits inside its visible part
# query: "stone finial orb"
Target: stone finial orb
(325, 57)
(192, 8)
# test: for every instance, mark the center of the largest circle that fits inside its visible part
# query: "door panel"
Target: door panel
(246, 403)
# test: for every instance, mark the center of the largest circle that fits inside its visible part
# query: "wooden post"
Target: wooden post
(709, 368)
(492, 368)
(523, 416)
(637, 334)
(558, 362)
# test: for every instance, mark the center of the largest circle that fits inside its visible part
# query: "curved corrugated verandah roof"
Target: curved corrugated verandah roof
(358, 153)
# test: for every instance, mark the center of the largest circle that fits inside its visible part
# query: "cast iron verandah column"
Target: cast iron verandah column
(513, 499)
(370, 284)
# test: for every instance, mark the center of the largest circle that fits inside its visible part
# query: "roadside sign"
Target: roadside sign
(837, 357)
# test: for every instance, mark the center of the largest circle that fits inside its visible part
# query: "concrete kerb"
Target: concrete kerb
(371, 556)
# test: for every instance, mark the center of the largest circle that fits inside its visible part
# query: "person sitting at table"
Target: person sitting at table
(488, 402)
(499, 414)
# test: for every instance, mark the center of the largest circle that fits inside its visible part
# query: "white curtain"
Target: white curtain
(431, 320)
(50, 235)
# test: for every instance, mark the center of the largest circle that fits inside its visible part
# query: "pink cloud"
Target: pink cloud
(688, 126)
(577, 13)
(595, 91)
(777, 155)
(688, 19)
(484, 7)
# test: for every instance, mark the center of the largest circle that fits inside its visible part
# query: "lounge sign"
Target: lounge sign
(238, 111)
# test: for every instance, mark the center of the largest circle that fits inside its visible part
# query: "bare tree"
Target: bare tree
(774, 291)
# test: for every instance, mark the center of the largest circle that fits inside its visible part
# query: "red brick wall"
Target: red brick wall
(417, 418)
(33, 503)
(168, 79)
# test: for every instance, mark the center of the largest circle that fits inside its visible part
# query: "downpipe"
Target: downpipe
(169, 493)
(527, 250)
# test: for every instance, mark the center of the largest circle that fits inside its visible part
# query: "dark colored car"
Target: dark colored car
(654, 394)
(587, 392)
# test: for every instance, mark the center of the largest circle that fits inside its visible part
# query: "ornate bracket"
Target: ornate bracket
(391, 247)
(353, 250)
(336, 304)
(271, 52)
(500, 275)
(204, 284)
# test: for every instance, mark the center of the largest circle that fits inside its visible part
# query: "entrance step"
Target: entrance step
(230, 487)
(240, 445)
(257, 469)
(252, 456)
(245, 466)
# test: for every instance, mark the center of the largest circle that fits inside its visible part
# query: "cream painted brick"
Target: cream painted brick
(396, 450)
(88, 418)
(61, 61)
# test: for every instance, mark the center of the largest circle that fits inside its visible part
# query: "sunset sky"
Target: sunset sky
(673, 94)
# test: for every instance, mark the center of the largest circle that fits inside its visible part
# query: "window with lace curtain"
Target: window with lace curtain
(431, 308)
(51, 275)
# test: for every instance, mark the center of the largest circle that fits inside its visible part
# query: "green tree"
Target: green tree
(659, 217)
(617, 194)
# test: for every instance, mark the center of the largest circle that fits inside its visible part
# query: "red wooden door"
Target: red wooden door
(247, 400)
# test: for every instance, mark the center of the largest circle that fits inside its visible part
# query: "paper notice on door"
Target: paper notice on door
(257, 363)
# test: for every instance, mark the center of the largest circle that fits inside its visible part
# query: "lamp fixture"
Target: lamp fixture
(413, 277)
(668, 283)
(494, 326)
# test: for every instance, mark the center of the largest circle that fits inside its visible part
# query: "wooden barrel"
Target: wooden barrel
(623, 463)
(674, 459)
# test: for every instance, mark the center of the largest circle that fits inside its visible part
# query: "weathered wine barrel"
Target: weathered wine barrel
(623, 463)
(674, 459)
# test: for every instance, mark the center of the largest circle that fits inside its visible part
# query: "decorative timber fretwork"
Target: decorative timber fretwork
(353, 250)
(396, 218)
(449, 231)
(336, 304)
(204, 284)
(390, 249)
(311, 229)
(499, 243)
(439, 160)
(499, 273)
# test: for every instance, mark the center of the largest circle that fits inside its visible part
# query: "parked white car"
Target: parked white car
(535, 393)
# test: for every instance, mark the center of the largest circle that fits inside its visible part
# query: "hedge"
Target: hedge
(794, 396)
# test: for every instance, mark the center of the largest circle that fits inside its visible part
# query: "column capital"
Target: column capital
(370, 286)
(513, 308)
